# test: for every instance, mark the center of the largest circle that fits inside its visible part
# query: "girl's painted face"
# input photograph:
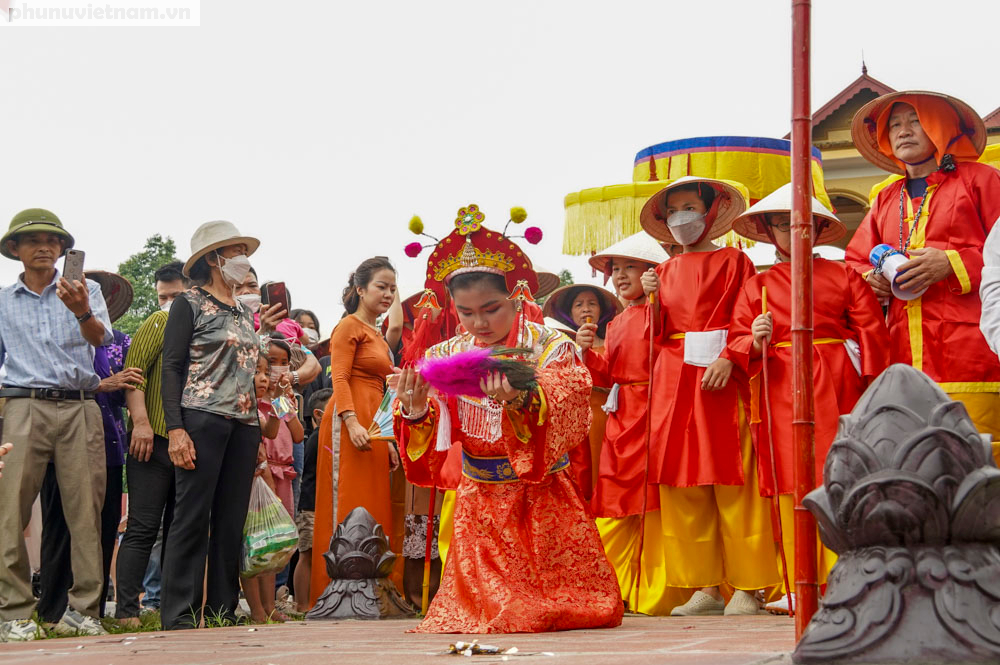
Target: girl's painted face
(261, 384)
(626, 274)
(485, 312)
(586, 308)
(380, 292)
(683, 200)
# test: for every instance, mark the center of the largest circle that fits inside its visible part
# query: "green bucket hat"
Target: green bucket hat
(34, 220)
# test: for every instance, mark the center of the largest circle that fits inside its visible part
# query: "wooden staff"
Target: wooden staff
(637, 577)
(775, 503)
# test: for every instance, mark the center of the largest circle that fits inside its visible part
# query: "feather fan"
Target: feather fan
(460, 374)
(381, 427)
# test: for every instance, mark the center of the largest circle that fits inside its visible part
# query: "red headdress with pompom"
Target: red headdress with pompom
(471, 247)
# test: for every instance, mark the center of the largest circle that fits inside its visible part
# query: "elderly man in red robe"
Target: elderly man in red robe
(938, 215)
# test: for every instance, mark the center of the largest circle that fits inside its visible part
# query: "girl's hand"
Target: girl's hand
(762, 328)
(650, 282)
(497, 387)
(586, 336)
(412, 392)
(717, 374)
(393, 457)
(360, 437)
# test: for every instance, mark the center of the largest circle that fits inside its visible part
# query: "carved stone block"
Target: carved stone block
(911, 504)
(359, 562)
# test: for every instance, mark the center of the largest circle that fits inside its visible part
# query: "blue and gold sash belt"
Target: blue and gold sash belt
(498, 469)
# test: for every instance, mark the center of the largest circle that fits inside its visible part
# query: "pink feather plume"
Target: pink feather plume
(458, 374)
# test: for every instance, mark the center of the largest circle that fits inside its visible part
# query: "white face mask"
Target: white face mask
(277, 371)
(165, 307)
(250, 300)
(312, 335)
(235, 269)
(686, 226)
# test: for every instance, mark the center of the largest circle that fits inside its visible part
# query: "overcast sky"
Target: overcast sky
(321, 127)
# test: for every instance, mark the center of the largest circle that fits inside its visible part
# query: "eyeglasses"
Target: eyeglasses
(785, 225)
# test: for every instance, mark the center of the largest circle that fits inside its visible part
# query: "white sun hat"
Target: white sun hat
(751, 223)
(640, 246)
(215, 235)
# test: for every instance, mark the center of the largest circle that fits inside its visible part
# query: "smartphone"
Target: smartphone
(73, 265)
(275, 293)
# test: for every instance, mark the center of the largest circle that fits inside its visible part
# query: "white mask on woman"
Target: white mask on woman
(250, 300)
(234, 270)
(686, 226)
(312, 335)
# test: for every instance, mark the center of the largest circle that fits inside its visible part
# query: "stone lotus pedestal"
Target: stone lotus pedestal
(911, 504)
(359, 563)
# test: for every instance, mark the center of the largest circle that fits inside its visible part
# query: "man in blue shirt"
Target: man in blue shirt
(49, 329)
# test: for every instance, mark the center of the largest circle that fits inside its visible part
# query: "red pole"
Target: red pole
(803, 425)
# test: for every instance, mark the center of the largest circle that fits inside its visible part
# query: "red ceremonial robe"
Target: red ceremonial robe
(696, 438)
(525, 556)
(625, 361)
(939, 332)
(844, 307)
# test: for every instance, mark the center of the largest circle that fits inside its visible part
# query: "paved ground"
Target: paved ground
(710, 640)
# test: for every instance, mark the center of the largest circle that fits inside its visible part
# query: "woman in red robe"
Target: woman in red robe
(850, 345)
(525, 556)
(717, 527)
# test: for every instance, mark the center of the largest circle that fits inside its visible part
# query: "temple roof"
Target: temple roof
(856, 94)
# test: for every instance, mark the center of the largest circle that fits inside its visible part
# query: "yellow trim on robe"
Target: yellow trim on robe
(960, 272)
(914, 311)
(970, 387)
(818, 340)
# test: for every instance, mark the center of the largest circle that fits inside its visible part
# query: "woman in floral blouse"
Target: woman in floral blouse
(209, 360)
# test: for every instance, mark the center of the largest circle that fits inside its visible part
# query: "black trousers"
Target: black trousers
(56, 573)
(150, 503)
(209, 513)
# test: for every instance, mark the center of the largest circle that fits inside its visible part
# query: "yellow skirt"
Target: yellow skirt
(620, 536)
(984, 409)
(720, 534)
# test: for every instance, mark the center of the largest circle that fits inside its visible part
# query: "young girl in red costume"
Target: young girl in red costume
(850, 346)
(525, 556)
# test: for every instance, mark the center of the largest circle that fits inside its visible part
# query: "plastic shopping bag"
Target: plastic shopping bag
(269, 536)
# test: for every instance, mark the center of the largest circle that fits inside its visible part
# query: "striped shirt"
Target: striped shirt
(146, 354)
(41, 345)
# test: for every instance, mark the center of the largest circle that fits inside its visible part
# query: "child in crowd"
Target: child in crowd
(306, 515)
(716, 525)
(850, 345)
(618, 496)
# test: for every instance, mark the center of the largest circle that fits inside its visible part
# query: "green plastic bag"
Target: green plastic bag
(269, 535)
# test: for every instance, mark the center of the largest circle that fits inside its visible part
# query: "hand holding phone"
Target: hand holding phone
(275, 293)
(73, 265)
